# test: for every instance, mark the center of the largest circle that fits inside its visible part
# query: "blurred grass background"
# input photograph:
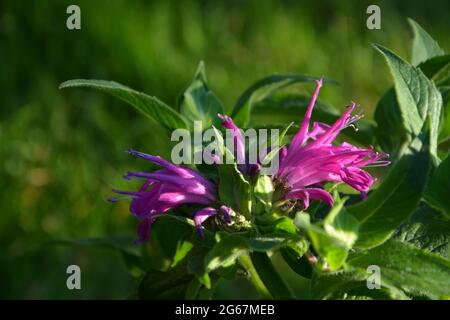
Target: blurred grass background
(61, 152)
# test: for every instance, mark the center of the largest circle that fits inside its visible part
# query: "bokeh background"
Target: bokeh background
(61, 152)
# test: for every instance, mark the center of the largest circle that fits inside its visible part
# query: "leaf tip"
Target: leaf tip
(63, 85)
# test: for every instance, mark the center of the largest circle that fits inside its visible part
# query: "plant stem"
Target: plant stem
(270, 277)
(254, 278)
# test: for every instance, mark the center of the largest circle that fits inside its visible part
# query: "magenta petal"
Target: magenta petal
(142, 205)
(357, 179)
(162, 162)
(333, 131)
(227, 212)
(307, 165)
(302, 134)
(299, 194)
(200, 216)
(192, 185)
(283, 153)
(238, 138)
(143, 229)
(176, 198)
(183, 172)
(308, 194)
(165, 190)
(318, 130)
(320, 194)
(213, 158)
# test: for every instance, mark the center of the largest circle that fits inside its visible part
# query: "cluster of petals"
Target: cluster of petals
(312, 159)
(167, 189)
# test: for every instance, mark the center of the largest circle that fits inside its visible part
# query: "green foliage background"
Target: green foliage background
(62, 152)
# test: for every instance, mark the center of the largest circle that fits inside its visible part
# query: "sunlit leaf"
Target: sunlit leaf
(419, 101)
(199, 103)
(394, 200)
(150, 106)
(428, 230)
(409, 268)
(424, 46)
(335, 238)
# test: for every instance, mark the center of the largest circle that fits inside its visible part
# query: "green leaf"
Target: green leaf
(125, 243)
(270, 277)
(263, 191)
(225, 252)
(285, 225)
(428, 230)
(230, 247)
(171, 241)
(182, 251)
(408, 268)
(282, 108)
(394, 200)
(199, 102)
(424, 46)
(437, 193)
(285, 107)
(444, 135)
(222, 149)
(294, 256)
(234, 189)
(159, 285)
(337, 236)
(149, 106)
(350, 284)
(284, 133)
(418, 99)
(437, 69)
(196, 267)
(390, 132)
(259, 91)
(404, 269)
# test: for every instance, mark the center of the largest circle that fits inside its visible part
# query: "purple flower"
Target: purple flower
(238, 138)
(205, 213)
(165, 190)
(312, 159)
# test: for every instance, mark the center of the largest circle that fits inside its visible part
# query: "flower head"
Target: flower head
(312, 159)
(165, 190)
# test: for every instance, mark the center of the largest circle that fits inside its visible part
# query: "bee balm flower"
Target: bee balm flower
(312, 159)
(167, 189)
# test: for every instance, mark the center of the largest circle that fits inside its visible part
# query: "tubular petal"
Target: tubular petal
(200, 216)
(304, 166)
